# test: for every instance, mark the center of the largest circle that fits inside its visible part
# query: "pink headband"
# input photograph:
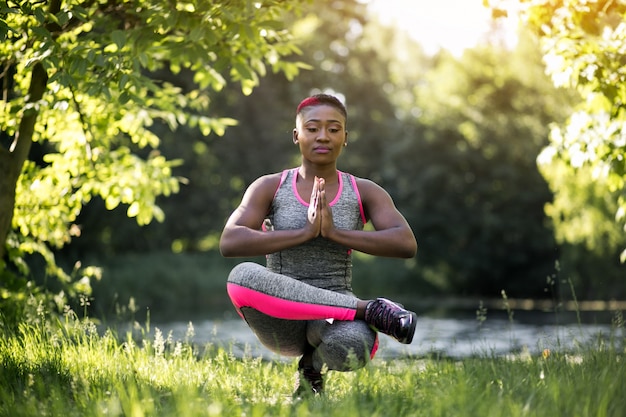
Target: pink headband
(309, 101)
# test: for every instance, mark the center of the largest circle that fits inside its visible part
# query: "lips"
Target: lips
(321, 149)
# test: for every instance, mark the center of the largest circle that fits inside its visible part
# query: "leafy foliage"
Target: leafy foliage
(453, 140)
(476, 195)
(110, 71)
(133, 88)
(584, 46)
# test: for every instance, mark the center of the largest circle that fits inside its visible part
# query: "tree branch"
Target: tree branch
(85, 125)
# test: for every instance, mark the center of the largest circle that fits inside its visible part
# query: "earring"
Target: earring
(345, 144)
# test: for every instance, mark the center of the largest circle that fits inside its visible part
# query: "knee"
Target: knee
(356, 358)
(241, 272)
(346, 359)
(358, 352)
(346, 353)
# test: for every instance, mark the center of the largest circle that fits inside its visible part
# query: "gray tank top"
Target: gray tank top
(319, 262)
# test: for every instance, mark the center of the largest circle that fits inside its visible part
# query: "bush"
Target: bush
(168, 285)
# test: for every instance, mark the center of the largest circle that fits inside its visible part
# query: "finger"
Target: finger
(313, 202)
(322, 198)
(319, 185)
(315, 196)
(315, 189)
(327, 223)
(312, 212)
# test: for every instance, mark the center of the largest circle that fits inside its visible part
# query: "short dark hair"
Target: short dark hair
(323, 99)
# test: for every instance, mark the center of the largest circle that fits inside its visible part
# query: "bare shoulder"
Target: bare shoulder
(369, 189)
(255, 202)
(262, 189)
(266, 183)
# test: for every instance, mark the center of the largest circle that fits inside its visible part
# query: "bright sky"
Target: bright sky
(450, 24)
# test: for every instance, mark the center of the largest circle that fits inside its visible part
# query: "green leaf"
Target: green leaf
(133, 209)
(119, 38)
(62, 17)
(41, 32)
(39, 15)
(4, 30)
(242, 70)
(272, 24)
(111, 202)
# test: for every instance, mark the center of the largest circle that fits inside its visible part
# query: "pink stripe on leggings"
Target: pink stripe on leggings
(285, 309)
(374, 348)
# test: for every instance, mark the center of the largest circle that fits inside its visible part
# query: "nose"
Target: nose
(322, 134)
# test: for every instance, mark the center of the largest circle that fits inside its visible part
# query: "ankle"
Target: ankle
(306, 360)
(361, 308)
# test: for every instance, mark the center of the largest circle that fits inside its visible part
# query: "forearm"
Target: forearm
(241, 241)
(393, 242)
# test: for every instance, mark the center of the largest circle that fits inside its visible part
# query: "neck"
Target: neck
(328, 172)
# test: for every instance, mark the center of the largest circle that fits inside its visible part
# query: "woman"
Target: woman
(301, 303)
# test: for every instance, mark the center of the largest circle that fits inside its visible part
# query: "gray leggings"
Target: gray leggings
(289, 317)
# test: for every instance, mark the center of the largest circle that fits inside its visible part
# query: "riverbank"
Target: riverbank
(450, 337)
(523, 304)
(451, 328)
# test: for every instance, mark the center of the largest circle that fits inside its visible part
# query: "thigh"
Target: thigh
(252, 285)
(285, 337)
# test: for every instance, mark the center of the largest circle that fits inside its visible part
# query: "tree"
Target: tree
(476, 197)
(219, 170)
(584, 46)
(583, 214)
(84, 83)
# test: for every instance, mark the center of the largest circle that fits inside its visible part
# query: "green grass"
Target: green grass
(70, 370)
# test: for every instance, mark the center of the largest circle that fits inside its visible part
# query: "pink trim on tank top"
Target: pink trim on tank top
(282, 179)
(283, 175)
(358, 197)
(306, 203)
(285, 309)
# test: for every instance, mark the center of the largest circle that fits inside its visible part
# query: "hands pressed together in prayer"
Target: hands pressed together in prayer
(320, 216)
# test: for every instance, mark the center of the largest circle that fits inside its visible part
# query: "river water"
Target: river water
(452, 336)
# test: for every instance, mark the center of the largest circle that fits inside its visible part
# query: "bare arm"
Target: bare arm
(242, 235)
(392, 236)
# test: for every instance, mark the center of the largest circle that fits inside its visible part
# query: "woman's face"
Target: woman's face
(320, 133)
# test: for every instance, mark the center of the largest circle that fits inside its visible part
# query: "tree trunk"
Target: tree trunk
(12, 160)
(7, 196)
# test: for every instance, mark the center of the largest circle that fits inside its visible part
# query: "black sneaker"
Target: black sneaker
(310, 382)
(392, 319)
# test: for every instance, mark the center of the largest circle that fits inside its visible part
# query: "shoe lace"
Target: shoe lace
(383, 315)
